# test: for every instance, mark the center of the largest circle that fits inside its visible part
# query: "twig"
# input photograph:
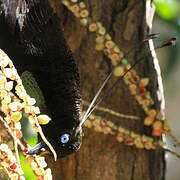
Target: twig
(45, 140)
(16, 145)
(114, 113)
(176, 141)
(172, 152)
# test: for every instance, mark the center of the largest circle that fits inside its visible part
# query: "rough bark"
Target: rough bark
(101, 156)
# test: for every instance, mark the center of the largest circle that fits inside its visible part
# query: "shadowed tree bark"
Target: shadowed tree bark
(101, 156)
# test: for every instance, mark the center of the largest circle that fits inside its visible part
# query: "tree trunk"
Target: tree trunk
(101, 156)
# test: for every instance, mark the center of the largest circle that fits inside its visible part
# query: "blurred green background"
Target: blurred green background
(167, 24)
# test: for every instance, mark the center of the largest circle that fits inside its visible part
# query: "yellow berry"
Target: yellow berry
(99, 47)
(144, 82)
(162, 144)
(65, 2)
(152, 113)
(102, 30)
(3, 94)
(74, 8)
(92, 27)
(146, 102)
(24, 96)
(109, 44)
(36, 110)
(4, 62)
(31, 120)
(18, 88)
(9, 86)
(6, 100)
(5, 109)
(99, 24)
(108, 37)
(35, 128)
(121, 54)
(27, 109)
(121, 130)
(15, 106)
(116, 49)
(138, 143)
(114, 62)
(100, 39)
(2, 79)
(98, 129)
(84, 21)
(148, 145)
(74, 1)
(148, 121)
(8, 72)
(31, 101)
(82, 5)
(159, 116)
(118, 71)
(43, 119)
(96, 122)
(133, 89)
(88, 124)
(120, 137)
(16, 116)
(107, 130)
(157, 125)
(115, 57)
(133, 135)
(84, 13)
(3, 147)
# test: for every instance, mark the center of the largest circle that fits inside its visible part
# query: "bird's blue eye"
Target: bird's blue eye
(64, 138)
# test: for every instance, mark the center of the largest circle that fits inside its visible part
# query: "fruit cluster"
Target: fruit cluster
(14, 103)
(137, 86)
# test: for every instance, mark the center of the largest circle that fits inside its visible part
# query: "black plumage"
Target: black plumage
(31, 34)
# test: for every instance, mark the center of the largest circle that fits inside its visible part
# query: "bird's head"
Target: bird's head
(64, 143)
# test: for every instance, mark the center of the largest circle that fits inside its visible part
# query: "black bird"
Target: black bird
(31, 35)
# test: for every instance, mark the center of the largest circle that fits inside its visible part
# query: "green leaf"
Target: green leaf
(28, 173)
(167, 9)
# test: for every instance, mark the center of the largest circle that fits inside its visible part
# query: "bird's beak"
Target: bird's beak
(36, 149)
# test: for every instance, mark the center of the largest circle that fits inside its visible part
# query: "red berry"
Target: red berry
(25, 150)
(129, 142)
(19, 108)
(141, 90)
(156, 133)
(13, 166)
(106, 52)
(8, 161)
(40, 178)
(103, 123)
(135, 78)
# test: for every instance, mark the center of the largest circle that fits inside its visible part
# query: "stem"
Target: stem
(8, 129)
(45, 140)
(114, 113)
